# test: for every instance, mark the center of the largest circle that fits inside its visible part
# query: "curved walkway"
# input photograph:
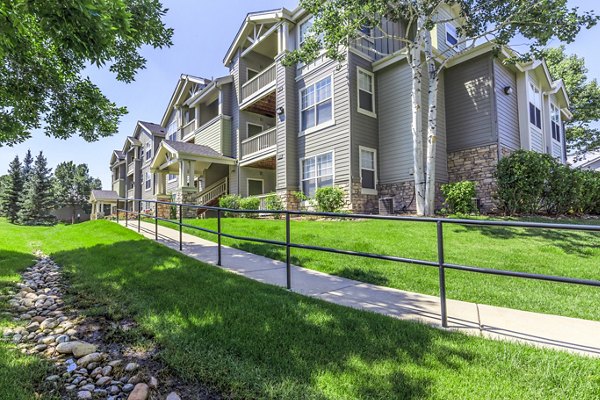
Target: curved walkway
(564, 333)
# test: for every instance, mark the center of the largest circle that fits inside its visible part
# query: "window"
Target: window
(535, 105)
(366, 30)
(366, 91)
(316, 104)
(304, 31)
(189, 114)
(148, 151)
(451, 36)
(254, 129)
(172, 177)
(368, 170)
(316, 172)
(148, 181)
(255, 187)
(555, 122)
(172, 131)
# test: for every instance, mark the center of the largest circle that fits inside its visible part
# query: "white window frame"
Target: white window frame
(146, 180)
(301, 161)
(173, 179)
(262, 127)
(262, 181)
(555, 110)
(530, 100)
(370, 113)
(172, 130)
(323, 125)
(450, 29)
(148, 150)
(360, 168)
(299, 33)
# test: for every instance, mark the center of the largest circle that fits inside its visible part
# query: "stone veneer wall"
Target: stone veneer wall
(477, 164)
(186, 197)
(403, 196)
(363, 203)
(290, 201)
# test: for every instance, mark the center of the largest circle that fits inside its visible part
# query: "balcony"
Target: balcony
(131, 194)
(131, 168)
(119, 187)
(260, 84)
(261, 143)
(216, 134)
(188, 129)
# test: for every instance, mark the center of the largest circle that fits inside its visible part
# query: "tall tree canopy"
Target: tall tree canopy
(38, 200)
(45, 46)
(73, 185)
(11, 190)
(582, 134)
(338, 23)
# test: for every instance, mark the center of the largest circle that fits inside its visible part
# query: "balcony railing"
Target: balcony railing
(259, 82)
(130, 168)
(188, 128)
(260, 142)
(130, 194)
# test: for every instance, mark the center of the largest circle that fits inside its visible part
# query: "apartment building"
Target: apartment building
(269, 128)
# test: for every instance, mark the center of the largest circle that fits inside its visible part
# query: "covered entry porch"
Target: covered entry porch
(201, 173)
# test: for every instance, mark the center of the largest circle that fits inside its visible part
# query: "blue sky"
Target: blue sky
(203, 33)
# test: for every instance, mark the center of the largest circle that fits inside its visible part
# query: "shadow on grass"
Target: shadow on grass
(11, 263)
(252, 340)
(571, 242)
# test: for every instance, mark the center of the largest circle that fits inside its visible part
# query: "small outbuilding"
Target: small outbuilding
(104, 203)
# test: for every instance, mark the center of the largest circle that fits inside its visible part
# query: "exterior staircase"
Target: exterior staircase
(211, 195)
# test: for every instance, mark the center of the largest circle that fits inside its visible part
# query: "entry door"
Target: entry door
(255, 187)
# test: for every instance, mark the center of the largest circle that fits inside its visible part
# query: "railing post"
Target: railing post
(117, 211)
(180, 227)
(219, 237)
(288, 266)
(139, 215)
(442, 273)
(155, 221)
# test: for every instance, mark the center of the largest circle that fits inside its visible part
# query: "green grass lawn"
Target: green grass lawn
(251, 340)
(563, 253)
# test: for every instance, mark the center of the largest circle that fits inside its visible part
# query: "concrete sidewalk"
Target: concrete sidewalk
(570, 334)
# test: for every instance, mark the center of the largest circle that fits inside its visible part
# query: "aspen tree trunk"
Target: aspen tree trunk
(431, 126)
(417, 119)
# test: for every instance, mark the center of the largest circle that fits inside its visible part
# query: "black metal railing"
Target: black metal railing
(440, 264)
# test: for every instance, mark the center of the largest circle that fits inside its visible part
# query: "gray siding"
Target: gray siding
(216, 135)
(227, 94)
(336, 137)
(287, 129)
(363, 127)
(394, 86)
(267, 175)
(507, 109)
(383, 42)
(469, 120)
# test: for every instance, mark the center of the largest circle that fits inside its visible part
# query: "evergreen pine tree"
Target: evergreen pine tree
(27, 167)
(38, 196)
(11, 195)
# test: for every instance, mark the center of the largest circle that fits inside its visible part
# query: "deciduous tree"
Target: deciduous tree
(581, 132)
(73, 185)
(45, 45)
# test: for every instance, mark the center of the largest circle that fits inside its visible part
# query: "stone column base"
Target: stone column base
(290, 201)
(186, 197)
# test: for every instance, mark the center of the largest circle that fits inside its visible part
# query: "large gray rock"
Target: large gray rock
(173, 396)
(84, 395)
(90, 358)
(141, 391)
(81, 349)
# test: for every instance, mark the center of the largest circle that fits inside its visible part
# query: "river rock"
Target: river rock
(141, 391)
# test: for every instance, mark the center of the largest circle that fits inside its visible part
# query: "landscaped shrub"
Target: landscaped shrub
(274, 203)
(231, 201)
(588, 198)
(330, 199)
(562, 189)
(249, 203)
(460, 197)
(521, 179)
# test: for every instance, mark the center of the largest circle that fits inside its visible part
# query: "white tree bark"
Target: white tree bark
(431, 126)
(417, 118)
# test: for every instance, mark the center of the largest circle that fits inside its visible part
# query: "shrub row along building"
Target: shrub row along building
(268, 128)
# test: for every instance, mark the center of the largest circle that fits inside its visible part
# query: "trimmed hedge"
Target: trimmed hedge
(459, 197)
(533, 183)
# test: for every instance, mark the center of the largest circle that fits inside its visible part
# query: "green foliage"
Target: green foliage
(584, 95)
(231, 201)
(249, 203)
(274, 203)
(27, 166)
(329, 199)
(531, 183)
(588, 198)
(38, 198)
(45, 46)
(73, 185)
(460, 197)
(11, 193)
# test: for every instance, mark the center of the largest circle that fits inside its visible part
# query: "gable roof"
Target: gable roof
(266, 16)
(184, 83)
(117, 155)
(198, 96)
(152, 128)
(100, 195)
